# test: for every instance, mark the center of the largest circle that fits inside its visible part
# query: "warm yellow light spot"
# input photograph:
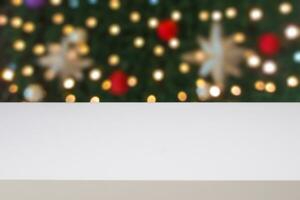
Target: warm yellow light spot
(58, 18)
(27, 70)
(55, 2)
(159, 50)
(16, 22)
(39, 49)
(91, 22)
(114, 29)
(139, 42)
(285, 8)
(231, 12)
(95, 99)
(8, 75)
(113, 60)
(176, 15)
(114, 4)
(68, 29)
(19, 45)
(13, 88)
(182, 96)
(106, 85)
(16, 2)
(236, 90)
(216, 15)
(292, 32)
(151, 99)
(28, 27)
(253, 61)
(260, 85)
(135, 16)
(256, 14)
(184, 68)
(270, 87)
(203, 15)
(153, 22)
(69, 83)
(132, 81)
(84, 49)
(200, 82)
(292, 81)
(239, 37)
(158, 75)
(3, 20)
(95, 74)
(71, 98)
(214, 91)
(174, 43)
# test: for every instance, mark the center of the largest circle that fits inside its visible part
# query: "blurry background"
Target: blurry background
(149, 51)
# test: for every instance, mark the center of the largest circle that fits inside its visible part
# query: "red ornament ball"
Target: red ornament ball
(167, 29)
(119, 85)
(269, 44)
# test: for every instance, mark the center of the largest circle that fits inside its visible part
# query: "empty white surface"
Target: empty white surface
(153, 142)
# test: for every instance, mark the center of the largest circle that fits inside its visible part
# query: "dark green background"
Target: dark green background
(141, 63)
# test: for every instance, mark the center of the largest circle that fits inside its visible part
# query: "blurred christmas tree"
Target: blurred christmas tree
(149, 50)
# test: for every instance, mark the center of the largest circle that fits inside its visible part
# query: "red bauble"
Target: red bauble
(269, 44)
(119, 84)
(167, 29)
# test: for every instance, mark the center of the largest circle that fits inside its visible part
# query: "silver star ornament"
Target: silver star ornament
(218, 56)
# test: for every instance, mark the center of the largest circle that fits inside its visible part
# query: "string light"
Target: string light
(269, 67)
(270, 87)
(139, 42)
(13, 88)
(236, 90)
(215, 91)
(256, 14)
(91, 22)
(153, 22)
(27, 71)
(184, 68)
(158, 75)
(19, 45)
(285, 8)
(231, 12)
(151, 99)
(114, 4)
(26, 28)
(3, 20)
(55, 2)
(176, 15)
(95, 74)
(135, 17)
(69, 83)
(159, 50)
(216, 15)
(106, 85)
(292, 81)
(174, 43)
(254, 61)
(203, 16)
(260, 85)
(292, 32)
(71, 98)
(182, 96)
(132, 81)
(113, 60)
(95, 99)
(8, 74)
